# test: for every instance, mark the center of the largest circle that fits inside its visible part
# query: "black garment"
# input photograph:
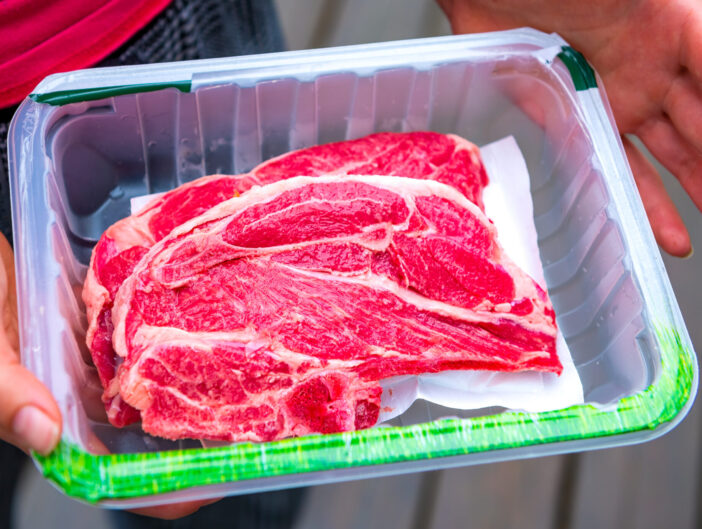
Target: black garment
(11, 462)
(186, 29)
(204, 29)
(5, 220)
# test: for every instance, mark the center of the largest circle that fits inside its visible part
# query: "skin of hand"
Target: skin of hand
(648, 54)
(29, 416)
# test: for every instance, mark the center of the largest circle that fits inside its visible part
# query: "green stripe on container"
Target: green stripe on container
(64, 97)
(580, 70)
(94, 478)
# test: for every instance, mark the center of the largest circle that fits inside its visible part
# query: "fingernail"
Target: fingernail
(35, 429)
(690, 253)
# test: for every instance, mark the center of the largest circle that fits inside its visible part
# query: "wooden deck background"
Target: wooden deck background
(654, 485)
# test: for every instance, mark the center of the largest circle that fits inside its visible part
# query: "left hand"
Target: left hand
(29, 416)
(649, 56)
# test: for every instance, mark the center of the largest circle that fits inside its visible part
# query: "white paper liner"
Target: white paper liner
(508, 204)
(138, 203)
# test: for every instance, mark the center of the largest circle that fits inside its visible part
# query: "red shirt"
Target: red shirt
(41, 37)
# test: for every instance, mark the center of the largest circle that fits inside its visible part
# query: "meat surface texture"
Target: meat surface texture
(425, 155)
(277, 313)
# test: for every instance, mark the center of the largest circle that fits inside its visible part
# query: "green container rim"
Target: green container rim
(64, 97)
(120, 476)
(581, 73)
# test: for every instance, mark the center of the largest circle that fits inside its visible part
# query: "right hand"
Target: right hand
(649, 56)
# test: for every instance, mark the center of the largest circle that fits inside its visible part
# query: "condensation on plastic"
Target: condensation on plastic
(75, 167)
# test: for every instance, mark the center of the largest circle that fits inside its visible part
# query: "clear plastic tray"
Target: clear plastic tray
(85, 142)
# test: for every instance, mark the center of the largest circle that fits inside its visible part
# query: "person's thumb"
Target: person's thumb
(29, 416)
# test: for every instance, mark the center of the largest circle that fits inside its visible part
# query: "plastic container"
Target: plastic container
(85, 142)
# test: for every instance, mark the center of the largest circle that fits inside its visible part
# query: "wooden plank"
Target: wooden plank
(316, 23)
(364, 21)
(512, 494)
(301, 21)
(381, 503)
(652, 485)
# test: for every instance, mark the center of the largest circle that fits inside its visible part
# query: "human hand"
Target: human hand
(29, 415)
(649, 56)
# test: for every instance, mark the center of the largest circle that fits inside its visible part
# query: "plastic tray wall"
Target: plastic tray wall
(104, 152)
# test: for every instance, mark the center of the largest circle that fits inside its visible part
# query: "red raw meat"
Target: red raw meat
(277, 313)
(427, 155)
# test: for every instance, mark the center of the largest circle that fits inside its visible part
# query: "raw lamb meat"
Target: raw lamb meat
(277, 313)
(427, 155)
